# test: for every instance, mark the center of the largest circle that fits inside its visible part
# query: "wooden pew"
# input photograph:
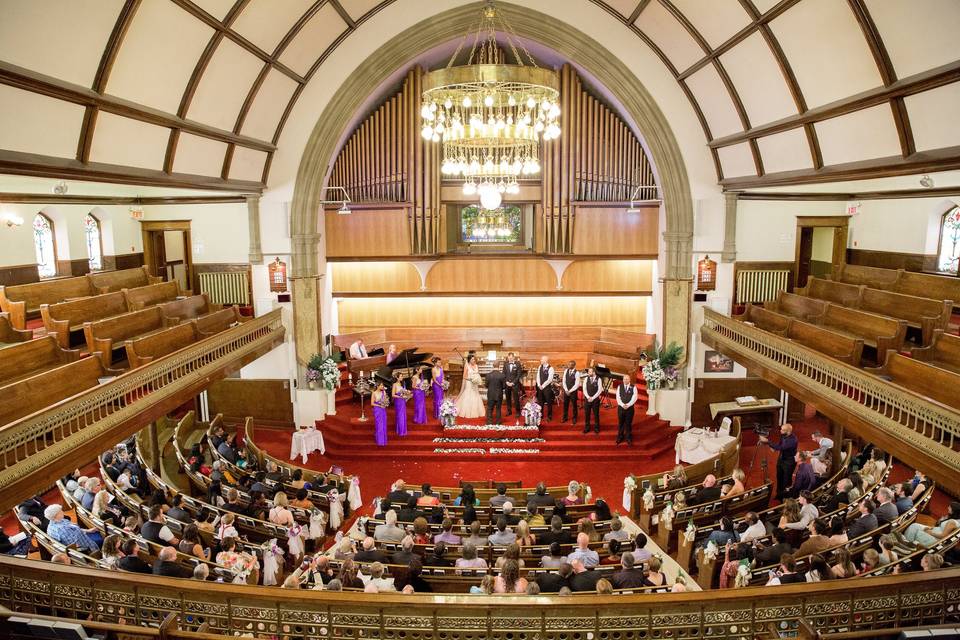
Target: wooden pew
(846, 295)
(21, 300)
(912, 283)
(103, 336)
(33, 357)
(923, 379)
(943, 352)
(880, 332)
(765, 319)
(63, 318)
(10, 334)
(218, 321)
(841, 346)
(152, 294)
(20, 399)
(145, 349)
(189, 308)
(110, 281)
(925, 314)
(791, 304)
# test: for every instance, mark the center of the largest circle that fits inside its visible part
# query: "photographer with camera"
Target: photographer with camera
(787, 446)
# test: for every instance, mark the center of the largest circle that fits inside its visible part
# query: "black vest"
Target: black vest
(591, 387)
(571, 377)
(151, 531)
(626, 397)
(544, 372)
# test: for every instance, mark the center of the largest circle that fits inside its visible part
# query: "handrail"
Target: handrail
(926, 424)
(40, 438)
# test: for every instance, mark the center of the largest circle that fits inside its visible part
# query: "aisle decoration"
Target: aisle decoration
(531, 413)
(295, 541)
(318, 524)
(690, 533)
(272, 562)
(629, 484)
(448, 413)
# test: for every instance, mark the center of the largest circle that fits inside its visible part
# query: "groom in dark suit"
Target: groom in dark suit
(496, 383)
(513, 374)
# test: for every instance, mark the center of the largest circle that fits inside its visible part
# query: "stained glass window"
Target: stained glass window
(497, 226)
(44, 245)
(950, 241)
(91, 230)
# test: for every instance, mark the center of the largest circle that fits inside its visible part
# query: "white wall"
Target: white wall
(219, 232)
(767, 229)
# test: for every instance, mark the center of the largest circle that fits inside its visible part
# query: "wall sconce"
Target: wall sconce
(344, 210)
(12, 220)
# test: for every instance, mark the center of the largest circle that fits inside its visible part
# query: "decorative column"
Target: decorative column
(677, 287)
(730, 227)
(306, 288)
(253, 218)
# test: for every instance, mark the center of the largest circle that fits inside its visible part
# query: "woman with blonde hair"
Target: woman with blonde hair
(586, 526)
(509, 580)
(604, 588)
(101, 507)
(485, 588)
(573, 494)
(512, 552)
(675, 480)
(280, 513)
(843, 567)
(524, 537)
(738, 485)
(654, 577)
(791, 512)
(110, 552)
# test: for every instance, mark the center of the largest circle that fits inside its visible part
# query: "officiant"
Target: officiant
(496, 384)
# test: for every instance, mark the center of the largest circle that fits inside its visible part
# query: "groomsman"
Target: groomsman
(626, 398)
(513, 391)
(570, 383)
(545, 387)
(592, 388)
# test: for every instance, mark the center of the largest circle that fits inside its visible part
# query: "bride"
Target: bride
(469, 404)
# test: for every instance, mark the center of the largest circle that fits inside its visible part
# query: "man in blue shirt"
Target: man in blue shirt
(67, 533)
(583, 553)
(904, 501)
(806, 479)
(787, 446)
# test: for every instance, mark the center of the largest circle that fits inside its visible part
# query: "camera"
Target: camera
(762, 432)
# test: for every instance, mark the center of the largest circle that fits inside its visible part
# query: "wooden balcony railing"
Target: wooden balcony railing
(858, 604)
(34, 442)
(901, 413)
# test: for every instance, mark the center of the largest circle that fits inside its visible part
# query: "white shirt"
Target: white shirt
(576, 381)
(599, 388)
(753, 532)
(626, 404)
(358, 350)
(549, 381)
(165, 534)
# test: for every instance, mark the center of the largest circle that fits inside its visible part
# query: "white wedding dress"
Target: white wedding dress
(469, 403)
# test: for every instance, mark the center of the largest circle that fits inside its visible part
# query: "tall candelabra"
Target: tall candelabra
(363, 386)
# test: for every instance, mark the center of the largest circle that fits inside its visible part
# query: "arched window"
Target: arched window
(45, 246)
(91, 231)
(949, 254)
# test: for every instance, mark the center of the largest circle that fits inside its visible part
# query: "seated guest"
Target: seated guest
(502, 535)
(421, 531)
(808, 512)
(755, 528)
(226, 449)
(190, 545)
(225, 528)
(805, 478)
(838, 533)
(583, 579)
(110, 552)
(534, 516)
(280, 513)
(378, 580)
(843, 566)
(585, 525)
(412, 578)
(856, 487)
(131, 560)
(707, 493)
(888, 554)
(573, 494)
(347, 548)
(640, 553)
(348, 575)
(508, 513)
(80, 489)
(405, 554)
(723, 534)
(818, 541)
(260, 484)
(904, 499)
(524, 537)
(629, 576)
(216, 436)
(398, 493)
(322, 572)
(604, 588)
(738, 486)
(467, 497)
(819, 570)
(839, 496)
(410, 512)
(786, 573)
(919, 484)
(446, 534)
(865, 523)
(155, 530)
(583, 552)
(470, 559)
(764, 556)
(370, 553)
(91, 488)
(485, 588)
(102, 508)
(167, 565)
(540, 496)
(927, 536)
(233, 502)
(824, 446)
(616, 531)
(274, 474)
(931, 562)
(177, 512)
(556, 533)
(886, 510)
(297, 481)
(512, 552)
(675, 480)
(302, 500)
(654, 576)
(553, 581)
(552, 557)
(34, 508)
(67, 533)
(436, 558)
(427, 497)
(218, 474)
(475, 538)
(870, 561)
(469, 515)
(389, 531)
(501, 497)
(358, 350)
(613, 553)
(509, 580)
(259, 508)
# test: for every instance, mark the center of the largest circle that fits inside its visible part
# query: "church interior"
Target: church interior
(513, 319)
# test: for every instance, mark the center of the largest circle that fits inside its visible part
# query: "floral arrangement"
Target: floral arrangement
(493, 427)
(488, 440)
(448, 409)
(710, 551)
(403, 393)
(324, 370)
(653, 375)
(532, 412)
(496, 451)
(690, 533)
(424, 385)
(661, 365)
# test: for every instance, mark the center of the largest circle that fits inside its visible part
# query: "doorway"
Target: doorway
(167, 250)
(821, 247)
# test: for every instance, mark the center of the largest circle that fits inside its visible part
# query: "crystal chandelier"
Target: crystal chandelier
(491, 115)
(492, 227)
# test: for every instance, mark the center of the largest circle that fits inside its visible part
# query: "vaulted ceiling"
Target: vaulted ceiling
(196, 92)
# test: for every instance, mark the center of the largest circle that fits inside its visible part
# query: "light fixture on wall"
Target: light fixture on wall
(136, 210)
(344, 210)
(12, 220)
(642, 194)
(60, 188)
(926, 181)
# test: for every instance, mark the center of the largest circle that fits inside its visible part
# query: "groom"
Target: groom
(495, 387)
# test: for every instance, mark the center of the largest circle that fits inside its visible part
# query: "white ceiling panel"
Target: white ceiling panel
(670, 36)
(198, 155)
(736, 161)
(224, 85)
(60, 38)
(313, 39)
(119, 140)
(247, 164)
(826, 49)
(861, 135)
(624, 7)
(265, 22)
(759, 81)
(358, 8)
(217, 8)
(716, 20)
(764, 5)
(935, 117)
(52, 128)
(715, 101)
(785, 151)
(268, 106)
(153, 67)
(918, 35)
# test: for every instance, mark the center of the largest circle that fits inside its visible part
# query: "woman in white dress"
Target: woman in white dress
(469, 403)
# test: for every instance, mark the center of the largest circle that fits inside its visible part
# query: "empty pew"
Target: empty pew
(925, 314)
(189, 308)
(103, 336)
(152, 294)
(145, 349)
(22, 300)
(32, 357)
(921, 378)
(846, 295)
(10, 334)
(875, 277)
(880, 332)
(29, 395)
(218, 321)
(110, 281)
(842, 346)
(765, 319)
(65, 318)
(912, 283)
(943, 352)
(802, 307)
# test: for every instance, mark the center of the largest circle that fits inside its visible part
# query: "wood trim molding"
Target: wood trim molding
(892, 259)
(492, 294)
(491, 256)
(936, 192)
(39, 198)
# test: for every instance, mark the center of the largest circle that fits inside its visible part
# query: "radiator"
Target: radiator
(761, 285)
(226, 287)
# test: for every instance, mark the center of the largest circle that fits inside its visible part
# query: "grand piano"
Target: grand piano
(407, 361)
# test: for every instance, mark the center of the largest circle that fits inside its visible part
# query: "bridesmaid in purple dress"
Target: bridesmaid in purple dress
(437, 387)
(419, 399)
(380, 403)
(400, 395)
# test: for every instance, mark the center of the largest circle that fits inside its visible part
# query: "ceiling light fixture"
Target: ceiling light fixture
(61, 188)
(926, 181)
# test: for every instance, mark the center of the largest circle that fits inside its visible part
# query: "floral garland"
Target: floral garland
(648, 499)
(666, 517)
(494, 451)
(492, 427)
(690, 533)
(461, 450)
(490, 440)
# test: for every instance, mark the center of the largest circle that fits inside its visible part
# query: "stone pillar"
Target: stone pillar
(677, 288)
(305, 286)
(253, 218)
(730, 227)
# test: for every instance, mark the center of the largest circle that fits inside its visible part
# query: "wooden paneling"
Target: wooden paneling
(19, 274)
(361, 314)
(892, 260)
(374, 276)
(613, 231)
(609, 275)
(268, 401)
(368, 232)
(78, 267)
(127, 260)
(710, 390)
(491, 275)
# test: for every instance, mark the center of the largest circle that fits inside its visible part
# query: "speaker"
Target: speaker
(700, 297)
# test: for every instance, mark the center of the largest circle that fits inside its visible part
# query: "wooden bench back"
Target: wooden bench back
(110, 281)
(62, 317)
(22, 299)
(841, 293)
(151, 294)
(190, 307)
(929, 381)
(913, 309)
(929, 286)
(19, 360)
(140, 351)
(828, 342)
(766, 319)
(875, 277)
(797, 306)
(37, 392)
(217, 321)
(103, 335)
(10, 334)
(944, 350)
(881, 331)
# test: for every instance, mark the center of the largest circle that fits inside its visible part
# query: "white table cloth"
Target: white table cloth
(305, 442)
(697, 445)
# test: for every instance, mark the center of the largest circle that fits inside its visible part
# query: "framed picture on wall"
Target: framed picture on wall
(716, 362)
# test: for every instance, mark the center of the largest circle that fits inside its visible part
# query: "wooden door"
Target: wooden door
(804, 254)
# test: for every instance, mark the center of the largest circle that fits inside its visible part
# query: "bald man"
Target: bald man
(786, 463)
(544, 386)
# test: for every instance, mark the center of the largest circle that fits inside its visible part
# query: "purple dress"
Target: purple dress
(380, 425)
(419, 406)
(400, 411)
(437, 394)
